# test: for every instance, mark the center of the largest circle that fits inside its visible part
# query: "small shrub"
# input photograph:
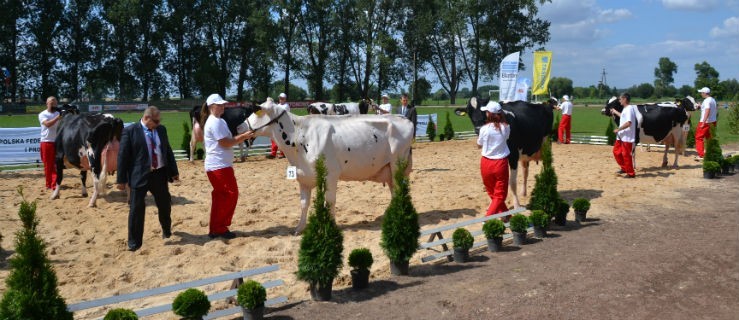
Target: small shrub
(493, 228)
(581, 205)
(191, 304)
(563, 208)
(539, 218)
(690, 140)
(609, 132)
(462, 239)
(448, 130)
(519, 223)
(251, 295)
(360, 258)
(186, 138)
(711, 166)
(554, 133)
(431, 129)
(400, 229)
(733, 118)
(121, 314)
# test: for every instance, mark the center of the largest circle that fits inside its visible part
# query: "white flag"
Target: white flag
(507, 77)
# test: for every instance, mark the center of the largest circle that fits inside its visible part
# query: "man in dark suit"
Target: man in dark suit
(408, 111)
(146, 163)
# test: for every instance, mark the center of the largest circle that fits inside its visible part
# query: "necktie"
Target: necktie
(154, 158)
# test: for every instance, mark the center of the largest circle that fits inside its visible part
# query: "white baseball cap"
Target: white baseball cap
(384, 95)
(566, 97)
(215, 99)
(704, 90)
(492, 107)
(283, 95)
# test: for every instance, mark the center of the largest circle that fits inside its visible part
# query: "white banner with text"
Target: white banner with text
(20, 145)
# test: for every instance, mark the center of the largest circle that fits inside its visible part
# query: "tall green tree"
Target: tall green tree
(150, 49)
(446, 59)
(10, 36)
(42, 22)
(339, 67)
(663, 75)
(390, 69)
(560, 86)
(119, 73)
(707, 76)
(418, 21)
(256, 49)
(181, 28)
(288, 12)
(75, 50)
(423, 89)
(317, 36)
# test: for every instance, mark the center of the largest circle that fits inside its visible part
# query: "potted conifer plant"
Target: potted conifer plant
(448, 130)
(251, 296)
(360, 260)
(319, 258)
(560, 218)
(431, 129)
(400, 229)
(581, 207)
(31, 290)
(540, 220)
(191, 304)
(519, 224)
(710, 169)
(121, 314)
(462, 240)
(494, 230)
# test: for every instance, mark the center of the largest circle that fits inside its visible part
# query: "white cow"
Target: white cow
(356, 147)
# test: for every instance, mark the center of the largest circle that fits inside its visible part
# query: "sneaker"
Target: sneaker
(282, 156)
(629, 176)
(270, 156)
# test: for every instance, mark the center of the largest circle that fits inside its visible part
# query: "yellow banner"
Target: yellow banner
(542, 69)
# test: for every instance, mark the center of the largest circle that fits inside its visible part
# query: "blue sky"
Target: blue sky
(629, 37)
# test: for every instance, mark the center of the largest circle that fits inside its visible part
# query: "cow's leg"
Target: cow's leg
(83, 178)
(331, 186)
(513, 186)
(95, 190)
(304, 203)
(242, 149)
(525, 165)
(192, 147)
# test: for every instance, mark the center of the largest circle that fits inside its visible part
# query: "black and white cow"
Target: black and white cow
(340, 108)
(88, 142)
(235, 118)
(659, 123)
(530, 125)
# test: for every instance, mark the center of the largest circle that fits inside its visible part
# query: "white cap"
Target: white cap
(215, 99)
(492, 107)
(283, 95)
(384, 95)
(566, 97)
(704, 90)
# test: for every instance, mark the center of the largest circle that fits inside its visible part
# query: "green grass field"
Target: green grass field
(585, 121)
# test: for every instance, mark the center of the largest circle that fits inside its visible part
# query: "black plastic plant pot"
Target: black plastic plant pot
(495, 244)
(540, 232)
(360, 278)
(399, 268)
(519, 238)
(321, 293)
(461, 255)
(580, 216)
(253, 314)
(560, 219)
(709, 175)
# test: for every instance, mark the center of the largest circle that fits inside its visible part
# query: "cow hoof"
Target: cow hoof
(664, 164)
(84, 194)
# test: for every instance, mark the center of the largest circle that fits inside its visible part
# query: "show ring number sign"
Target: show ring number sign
(292, 173)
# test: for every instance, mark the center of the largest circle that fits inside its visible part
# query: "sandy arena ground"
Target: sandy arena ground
(88, 245)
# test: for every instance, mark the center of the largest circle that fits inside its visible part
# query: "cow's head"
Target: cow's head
(476, 115)
(67, 109)
(687, 103)
(612, 104)
(265, 115)
(318, 108)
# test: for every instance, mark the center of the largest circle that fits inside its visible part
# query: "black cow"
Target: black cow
(659, 123)
(530, 124)
(234, 117)
(67, 109)
(87, 142)
(340, 108)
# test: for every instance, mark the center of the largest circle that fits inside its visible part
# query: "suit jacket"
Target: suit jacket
(411, 114)
(134, 166)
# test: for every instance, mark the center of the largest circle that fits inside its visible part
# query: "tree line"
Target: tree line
(344, 49)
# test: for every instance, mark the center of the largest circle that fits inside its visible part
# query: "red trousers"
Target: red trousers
(495, 178)
(224, 196)
(273, 149)
(48, 158)
(702, 133)
(622, 153)
(565, 128)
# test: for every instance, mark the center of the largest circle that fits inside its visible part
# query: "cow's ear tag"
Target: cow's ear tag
(259, 113)
(292, 173)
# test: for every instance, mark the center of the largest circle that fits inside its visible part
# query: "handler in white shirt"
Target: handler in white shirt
(49, 120)
(385, 107)
(625, 136)
(709, 115)
(494, 156)
(565, 124)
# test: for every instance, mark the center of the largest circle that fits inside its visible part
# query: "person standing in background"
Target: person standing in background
(408, 111)
(282, 102)
(49, 120)
(385, 107)
(709, 117)
(565, 125)
(494, 156)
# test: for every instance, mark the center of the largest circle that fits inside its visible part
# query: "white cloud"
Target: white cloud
(691, 5)
(730, 29)
(576, 21)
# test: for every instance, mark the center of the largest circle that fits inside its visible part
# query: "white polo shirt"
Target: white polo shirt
(216, 156)
(48, 134)
(566, 108)
(386, 107)
(628, 134)
(493, 141)
(709, 106)
(285, 105)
